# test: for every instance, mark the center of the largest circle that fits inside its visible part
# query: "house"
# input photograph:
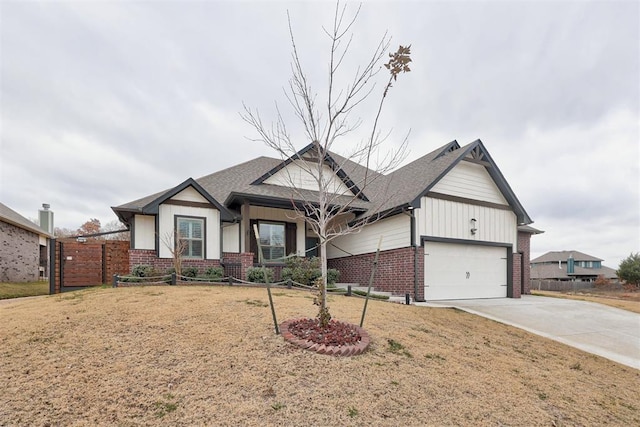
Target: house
(451, 225)
(570, 266)
(24, 252)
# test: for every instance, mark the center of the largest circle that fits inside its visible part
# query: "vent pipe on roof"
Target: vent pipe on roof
(45, 217)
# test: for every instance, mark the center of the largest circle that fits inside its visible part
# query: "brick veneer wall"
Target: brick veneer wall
(395, 272)
(236, 264)
(524, 247)
(19, 254)
(517, 276)
(149, 257)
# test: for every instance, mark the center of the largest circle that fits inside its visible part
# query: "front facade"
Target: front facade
(570, 266)
(24, 252)
(448, 224)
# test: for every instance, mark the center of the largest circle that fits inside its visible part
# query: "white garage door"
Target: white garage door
(459, 271)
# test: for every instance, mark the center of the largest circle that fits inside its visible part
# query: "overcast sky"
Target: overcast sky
(102, 103)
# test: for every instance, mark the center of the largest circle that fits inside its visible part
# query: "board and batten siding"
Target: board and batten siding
(471, 181)
(231, 238)
(452, 220)
(281, 215)
(144, 230)
(300, 177)
(396, 232)
(167, 214)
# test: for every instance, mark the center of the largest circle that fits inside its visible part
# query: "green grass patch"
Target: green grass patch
(27, 289)
(371, 295)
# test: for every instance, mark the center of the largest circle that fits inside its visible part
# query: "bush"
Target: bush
(307, 270)
(142, 270)
(256, 274)
(602, 282)
(214, 273)
(191, 272)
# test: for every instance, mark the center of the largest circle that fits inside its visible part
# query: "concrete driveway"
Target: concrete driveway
(606, 331)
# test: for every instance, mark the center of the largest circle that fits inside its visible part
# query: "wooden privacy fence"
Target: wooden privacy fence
(90, 263)
(559, 285)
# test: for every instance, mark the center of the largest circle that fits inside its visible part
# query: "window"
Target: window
(191, 235)
(272, 240)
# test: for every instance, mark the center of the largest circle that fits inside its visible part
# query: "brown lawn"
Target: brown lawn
(185, 356)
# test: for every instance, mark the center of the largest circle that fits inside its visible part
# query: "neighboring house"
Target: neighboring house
(570, 265)
(451, 225)
(24, 251)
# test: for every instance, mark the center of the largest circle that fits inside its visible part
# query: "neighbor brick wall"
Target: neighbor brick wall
(19, 254)
(148, 257)
(395, 272)
(524, 247)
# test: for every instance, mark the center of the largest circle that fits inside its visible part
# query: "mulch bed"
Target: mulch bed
(335, 339)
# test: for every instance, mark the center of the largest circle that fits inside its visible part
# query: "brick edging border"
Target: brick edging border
(331, 350)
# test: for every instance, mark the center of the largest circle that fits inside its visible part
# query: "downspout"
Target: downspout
(415, 255)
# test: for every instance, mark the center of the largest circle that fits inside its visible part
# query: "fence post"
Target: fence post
(173, 279)
(348, 290)
(407, 299)
(288, 283)
(115, 280)
(230, 279)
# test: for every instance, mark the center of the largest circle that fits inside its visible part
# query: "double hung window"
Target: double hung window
(190, 237)
(272, 240)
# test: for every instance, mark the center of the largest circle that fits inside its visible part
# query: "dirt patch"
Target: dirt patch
(208, 356)
(626, 300)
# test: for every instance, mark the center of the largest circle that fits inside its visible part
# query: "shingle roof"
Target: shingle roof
(12, 217)
(383, 193)
(555, 256)
(553, 272)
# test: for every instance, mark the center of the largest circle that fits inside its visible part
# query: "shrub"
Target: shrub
(256, 274)
(214, 273)
(602, 282)
(307, 270)
(190, 272)
(142, 270)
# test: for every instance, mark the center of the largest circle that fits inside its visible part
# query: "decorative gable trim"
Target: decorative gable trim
(477, 153)
(452, 146)
(335, 167)
(152, 207)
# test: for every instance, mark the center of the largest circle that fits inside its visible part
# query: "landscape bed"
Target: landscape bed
(209, 356)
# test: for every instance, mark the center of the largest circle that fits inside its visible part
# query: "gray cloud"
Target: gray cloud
(103, 103)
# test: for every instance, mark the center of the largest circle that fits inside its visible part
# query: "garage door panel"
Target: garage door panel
(459, 271)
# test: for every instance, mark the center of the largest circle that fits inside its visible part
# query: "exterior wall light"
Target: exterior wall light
(474, 229)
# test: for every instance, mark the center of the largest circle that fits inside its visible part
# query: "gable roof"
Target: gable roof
(551, 271)
(386, 194)
(151, 204)
(12, 217)
(328, 160)
(555, 256)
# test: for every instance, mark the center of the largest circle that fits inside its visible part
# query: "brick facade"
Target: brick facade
(395, 272)
(524, 247)
(19, 254)
(149, 257)
(517, 275)
(236, 264)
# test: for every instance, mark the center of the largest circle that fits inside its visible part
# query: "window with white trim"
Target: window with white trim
(191, 234)
(272, 240)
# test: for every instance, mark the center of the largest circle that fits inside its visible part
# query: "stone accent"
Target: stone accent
(19, 254)
(330, 350)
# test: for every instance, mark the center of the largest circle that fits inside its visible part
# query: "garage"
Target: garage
(464, 271)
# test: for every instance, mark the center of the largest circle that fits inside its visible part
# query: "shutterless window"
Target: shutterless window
(272, 240)
(191, 234)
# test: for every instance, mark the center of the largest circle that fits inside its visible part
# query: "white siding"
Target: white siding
(300, 177)
(444, 218)
(167, 225)
(42, 240)
(189, 194)
(471, 181)
(281, 215)
(396, 232)
(231, 238)
(144, 232)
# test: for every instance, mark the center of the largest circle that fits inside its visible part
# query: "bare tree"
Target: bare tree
(177, 247)
(328, 210)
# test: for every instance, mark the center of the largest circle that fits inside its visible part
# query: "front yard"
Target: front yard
(208, 356)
